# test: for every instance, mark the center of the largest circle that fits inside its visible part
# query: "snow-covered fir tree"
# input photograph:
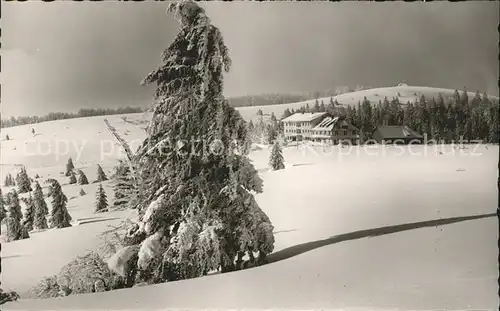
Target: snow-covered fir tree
(69, 167)
(59, 216)
(12, 222)
(271, 133)
(101, 176)
(3, 211)
(14, 208)
(41, 209)
(8, 296)
(72, 178)
(198, 209)
(23, 181)
(82, 178)
(13, 228)
(7, 137)
(82, 192)
(101, 204)
(273, 118)
(29, 214)
(124, 188)
(276, 160)
(8, 180)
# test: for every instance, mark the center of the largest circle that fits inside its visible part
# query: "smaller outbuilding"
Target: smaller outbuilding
(397, 134)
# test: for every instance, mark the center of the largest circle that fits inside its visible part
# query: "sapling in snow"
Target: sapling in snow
(276, 160)
(101, 204)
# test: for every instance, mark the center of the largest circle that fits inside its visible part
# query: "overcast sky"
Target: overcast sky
(66, 56)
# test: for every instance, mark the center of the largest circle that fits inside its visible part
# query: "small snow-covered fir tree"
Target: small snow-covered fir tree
(3, 211)
(271, 133)
(72, 178)
(14, 206)
(59, 216)
(124, 189)
(41, 209)
(101, 204)
(8, 296)
(69, 167)
(276, 160)
(12, 222)
(82, 192)
(197, 208)
(29, 214)
(101, 176)
(9, 180)
(82, 178)
(23, 181)
(13, 228)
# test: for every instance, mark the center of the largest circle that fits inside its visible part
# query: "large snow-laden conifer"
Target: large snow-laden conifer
(41, 210)
(59, 216)
(195, 179)
(276, 160)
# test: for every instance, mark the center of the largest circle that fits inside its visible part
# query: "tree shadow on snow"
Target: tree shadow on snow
(284, 231)
(302, 164)
(309, 246)
(87, 218)
(11, 256)
(97, 220)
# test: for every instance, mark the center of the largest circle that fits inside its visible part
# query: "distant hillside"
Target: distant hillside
(53, 116)
(274, 103)
(265, 100)
(404, 93)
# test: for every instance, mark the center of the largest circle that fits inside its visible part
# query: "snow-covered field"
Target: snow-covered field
(377, 228)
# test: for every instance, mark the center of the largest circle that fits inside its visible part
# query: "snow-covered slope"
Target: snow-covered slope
(370, 229)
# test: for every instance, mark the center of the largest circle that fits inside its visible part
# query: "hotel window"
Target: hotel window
(336, 133)
(344, 133)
